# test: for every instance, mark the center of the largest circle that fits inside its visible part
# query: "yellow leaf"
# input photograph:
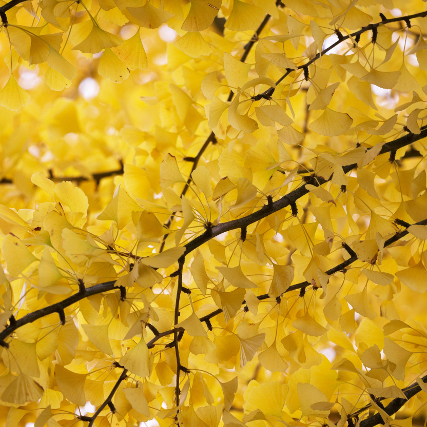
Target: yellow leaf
(55, 80)
(321, 193)
(235, 276)
(384, 79)
(269, 398)
(229, 389)
(309, 326)
(201, 15)
(16, 255)
(49, 274)
(331, 123)
(419, 231)
(244, 17)
(193, 326)
(270, 359)
(98, 40)
(131, 52)
(149, 16)
(387, 392)
(249, 347)
(378, 277)
(398, 355)
(98, 334)
(193, 44)
(12, 96)
(415, 278)
(72, 196)
(58, 63)
(236, 72)
(282, 279)
(188, 219)
(309, 395)
(361, 303)
(231, 302)
(111, 67)
(71, 385)
(136, 360)
(21, 390)
(23, 358)
(120, 209)
(169, 172)
(137, 399)
(199, 274)
(165, 259)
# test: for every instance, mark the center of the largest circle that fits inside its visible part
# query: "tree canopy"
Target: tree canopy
(213, 213)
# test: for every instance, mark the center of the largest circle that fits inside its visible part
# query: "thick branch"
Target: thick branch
(292, 197)
(394, 405)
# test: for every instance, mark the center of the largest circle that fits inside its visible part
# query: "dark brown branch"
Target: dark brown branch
(78, 179)
(356, 35)
(55, 308)
(292, 197)
(109, 399)
(9, 5)
(393, 406)
(212, 137)
(176, 341)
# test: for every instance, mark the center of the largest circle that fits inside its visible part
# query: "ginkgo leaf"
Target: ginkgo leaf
(231, 302)
(321, 193)
(49, 273)
(137, 399)
(398, 355)
(201, 177)
(269, 398)
(331, 123)
(16, 255)
(132, 53)
(111, 67)
(187, 212)
(384, 79)
(308, 396)
(415, 278)
(58, 63)
(198, 271)
(236, 72)
(270, 359)
(98, 334)
(21, 390)
(193, 326)
(169, 172)
(249, 347)
(282, 279)
(149, 16)
(120, 209)
(235, 276)
(12, 96)
(136, 360)
(360, 302)
(165, 259)
(97, 40)
(229, 389)
(71, 196)
(71, 385)
(201, 15)
(244, 17)
(309, 326)
(378, 277)
(193, 44)
(387, 392)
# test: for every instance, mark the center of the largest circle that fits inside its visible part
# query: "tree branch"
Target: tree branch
(95, 176)
(109, 399)
(212, 137)
(292, 197)
(371, 27)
